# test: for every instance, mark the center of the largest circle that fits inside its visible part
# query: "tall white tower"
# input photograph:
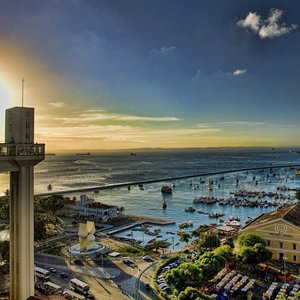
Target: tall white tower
(19, 155)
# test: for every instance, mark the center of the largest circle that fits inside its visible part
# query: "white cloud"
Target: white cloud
(164, 50)
(56, 104)
(268, 28)
(93, 116)
(252, 21)
(244, 124)
(238, 72)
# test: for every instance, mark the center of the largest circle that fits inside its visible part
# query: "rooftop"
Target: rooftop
(290, 214)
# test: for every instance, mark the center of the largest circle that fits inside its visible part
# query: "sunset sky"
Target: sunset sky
(122, 74)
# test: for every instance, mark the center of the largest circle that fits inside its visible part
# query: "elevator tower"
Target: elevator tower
(18, 155)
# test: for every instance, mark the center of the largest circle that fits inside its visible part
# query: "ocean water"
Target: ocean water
(71, 171)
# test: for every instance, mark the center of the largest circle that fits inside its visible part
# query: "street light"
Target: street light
(284, 267)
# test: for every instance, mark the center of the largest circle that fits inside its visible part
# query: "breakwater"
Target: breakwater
(124, 184)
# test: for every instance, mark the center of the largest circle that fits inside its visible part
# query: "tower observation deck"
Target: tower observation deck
(18, 155)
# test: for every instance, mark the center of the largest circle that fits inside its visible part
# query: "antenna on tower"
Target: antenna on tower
(23, 92)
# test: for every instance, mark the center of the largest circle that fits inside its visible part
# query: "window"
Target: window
(280, 244)
(294, 258)
(269, 243)
(294, 246)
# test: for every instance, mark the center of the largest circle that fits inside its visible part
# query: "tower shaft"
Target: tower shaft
(22, 232)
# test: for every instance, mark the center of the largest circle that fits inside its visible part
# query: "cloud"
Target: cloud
(56, 104)
(164, 50)
(244, 124)
(268, 28)
(239, 72)
(218, 75)
(253, 21)
(96, 116)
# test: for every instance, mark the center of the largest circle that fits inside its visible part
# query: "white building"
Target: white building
(87, 207)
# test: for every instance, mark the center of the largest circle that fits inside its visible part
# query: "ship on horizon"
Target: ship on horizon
(83, 153)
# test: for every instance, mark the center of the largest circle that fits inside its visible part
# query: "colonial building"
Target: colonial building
(97, 211)
(281, 230)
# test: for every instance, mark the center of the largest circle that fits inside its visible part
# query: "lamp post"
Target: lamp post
(284, 267)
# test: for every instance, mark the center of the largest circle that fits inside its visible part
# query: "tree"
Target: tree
(250, 239)
(156, 245)
(191, 293)
(121, 209)
(211, 263)
(52, 203)
(185, 275)
(4, 211)
(255, 254)
(209, 242)
(49, 187)
(184, 237)
(224, 251)
(46, 226)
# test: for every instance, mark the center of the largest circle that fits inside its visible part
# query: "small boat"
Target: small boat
(129, 188)
(164, 205)
(96, 192)
(170, 232)
(190, 209)
(166, 189)
(132, 154)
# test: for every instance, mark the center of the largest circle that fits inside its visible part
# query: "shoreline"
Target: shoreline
(123, 184)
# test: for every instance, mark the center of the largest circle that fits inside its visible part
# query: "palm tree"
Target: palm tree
(121, 209)
(49, 187)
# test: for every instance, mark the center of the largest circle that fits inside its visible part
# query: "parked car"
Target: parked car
(63, 275)
(52, 270)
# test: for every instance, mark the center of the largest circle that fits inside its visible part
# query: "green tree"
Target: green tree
(209, 242)
(255, 254)
(121, 209)
(52, 203)
(185, 275)
(157, 245)
(224, 251)
(184, 237)
(46, 226)
(191, 293)
(211, 263)
(250, 239)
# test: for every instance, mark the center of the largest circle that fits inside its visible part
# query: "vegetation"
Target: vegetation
(4, 250)
(157, 245)
(253, 249)
(211, 263)
(209, 242)
(4, 211)
(128, 250)
(191, 293)
(52, 204)
(186, 275)
(46, 226)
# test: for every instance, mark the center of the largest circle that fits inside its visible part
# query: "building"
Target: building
(87, 207)
(281, 230)
(19, 155)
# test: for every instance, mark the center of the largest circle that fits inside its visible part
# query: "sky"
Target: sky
(120, 74)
